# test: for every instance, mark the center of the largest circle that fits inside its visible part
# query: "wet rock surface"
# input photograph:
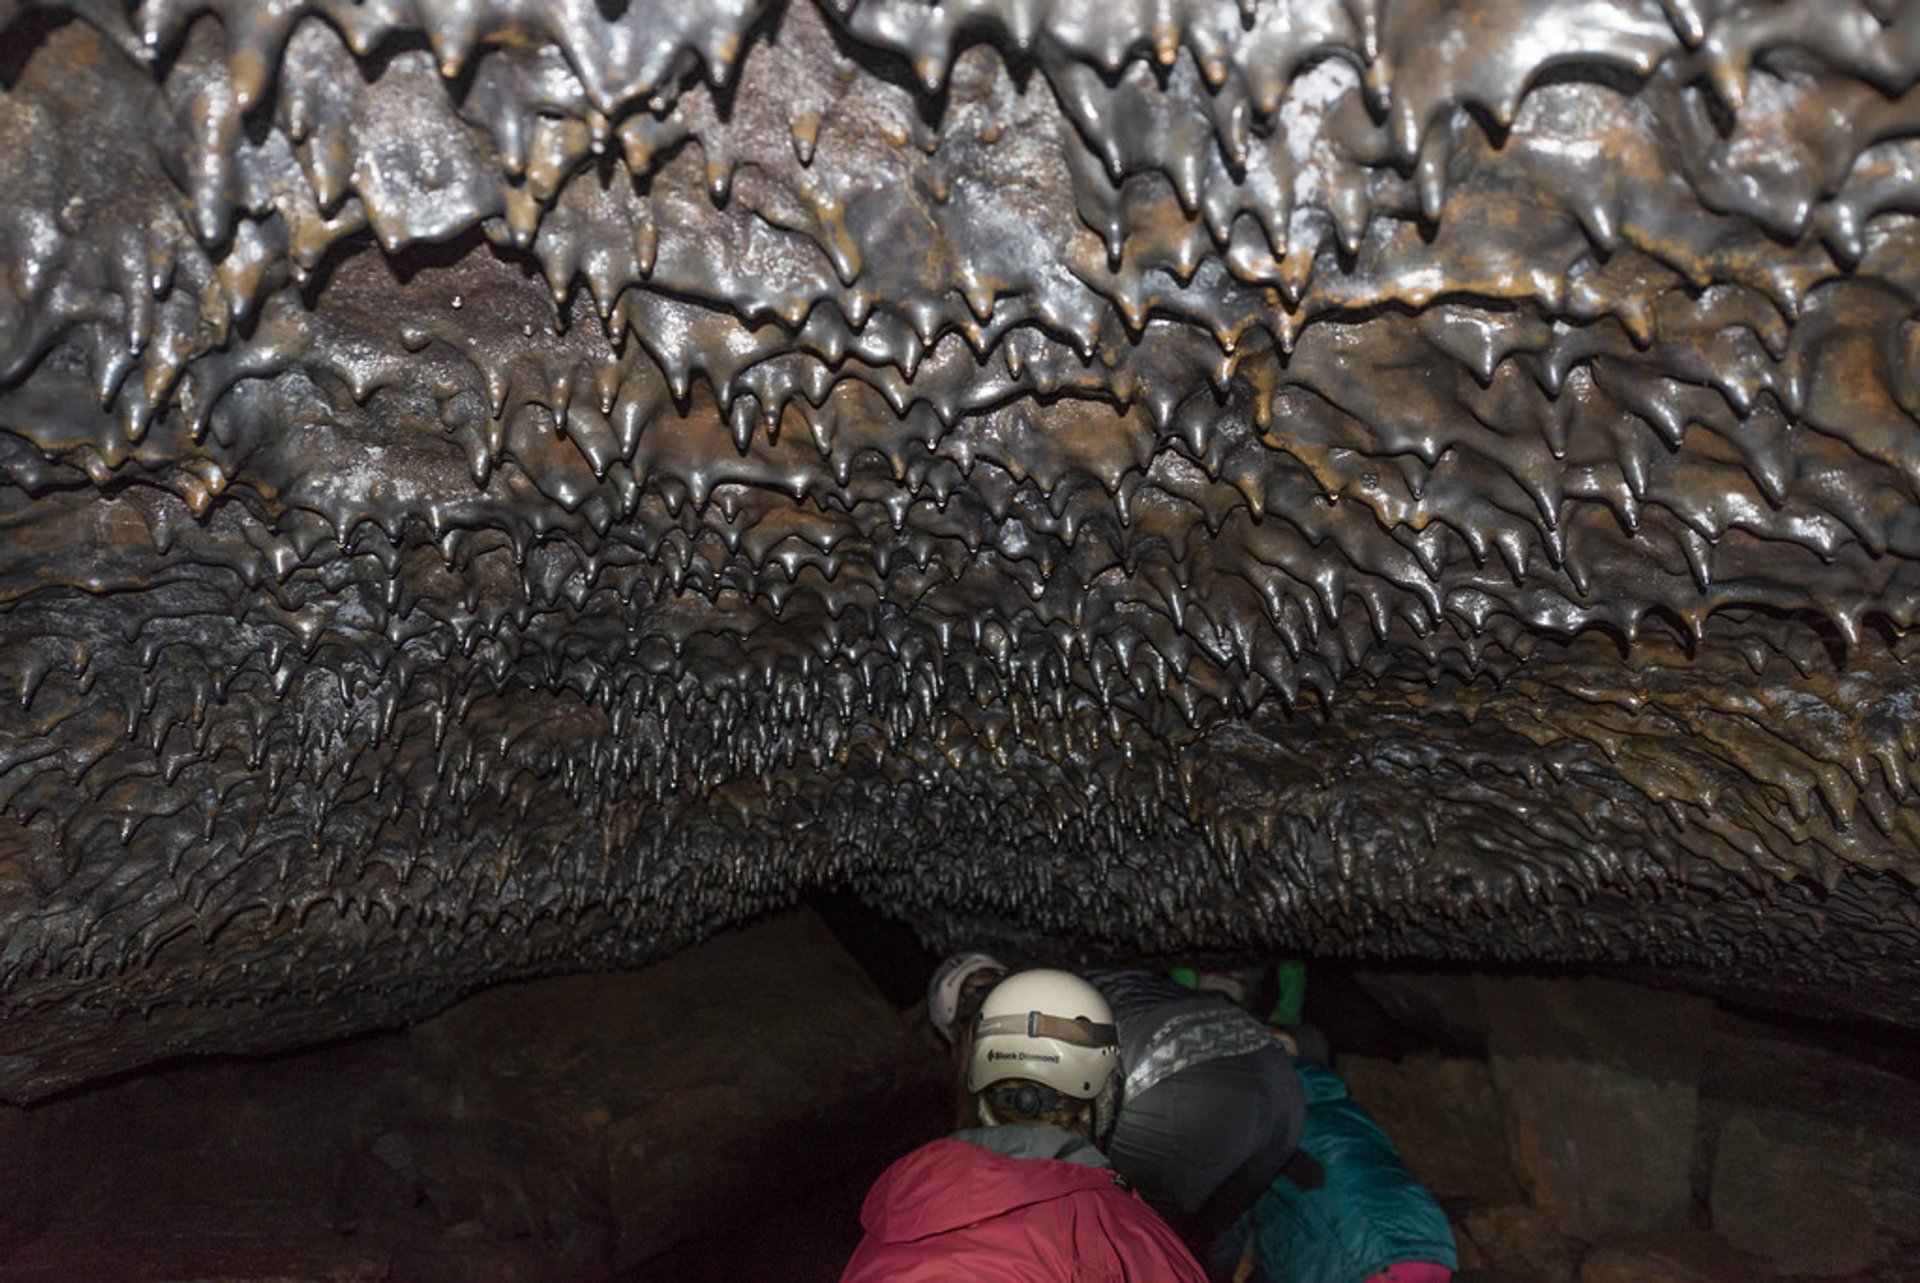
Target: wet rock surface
(498, 487)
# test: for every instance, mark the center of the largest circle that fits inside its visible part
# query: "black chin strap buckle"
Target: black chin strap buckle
(1025, 1100)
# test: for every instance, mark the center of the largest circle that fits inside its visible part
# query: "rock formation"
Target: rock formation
(496, 487)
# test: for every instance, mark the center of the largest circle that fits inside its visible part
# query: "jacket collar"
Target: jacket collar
(955, 1182)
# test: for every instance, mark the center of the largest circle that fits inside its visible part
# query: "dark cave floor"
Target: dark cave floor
(720, 1115)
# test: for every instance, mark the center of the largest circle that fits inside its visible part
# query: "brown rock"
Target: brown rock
(1444, 1117)
(1443, 1005)
(1799, 1191)
(1599, 1085)
(1673, 1256)
(1514, 1240)
(1598, 1149)
(1840, 1102)
(526, 1136)
(625, 1112)
(308, 1256)
(1471, 1256)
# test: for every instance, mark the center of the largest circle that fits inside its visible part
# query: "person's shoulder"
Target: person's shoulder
(914, 1166)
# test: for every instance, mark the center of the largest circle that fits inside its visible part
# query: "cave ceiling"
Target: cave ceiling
(493, 487)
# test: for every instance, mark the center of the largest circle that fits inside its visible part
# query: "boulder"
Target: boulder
(1519, 1242)
(1599, 1084)
(1801, 1191)
(1812, 1142)
(1673, 1256)
(1443, 1116)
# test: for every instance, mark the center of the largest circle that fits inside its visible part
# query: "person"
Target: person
(1279, 988)
(955, 991)
(1211, 1108)
(954, 994)
(1365, 1218)
(1024, 1196)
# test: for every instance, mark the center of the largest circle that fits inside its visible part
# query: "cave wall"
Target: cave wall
(717, 1116)
(495, 487)
(1580, 1127)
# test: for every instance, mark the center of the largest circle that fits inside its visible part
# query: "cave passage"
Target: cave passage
(720, 1116)
(498, 492)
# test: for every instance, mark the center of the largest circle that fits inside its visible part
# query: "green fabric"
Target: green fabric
(1368, 1214)
(1185, 977)
(1293, 993)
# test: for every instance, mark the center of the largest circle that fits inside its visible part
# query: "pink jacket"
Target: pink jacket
(952, 1212)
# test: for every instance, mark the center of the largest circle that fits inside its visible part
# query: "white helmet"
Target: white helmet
(949, 983)
(1048, 1026)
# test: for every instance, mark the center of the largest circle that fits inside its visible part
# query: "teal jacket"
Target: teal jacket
(1368, 1213)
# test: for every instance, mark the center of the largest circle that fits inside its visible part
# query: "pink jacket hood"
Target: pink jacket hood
(949, 1183)
(957, 1212)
